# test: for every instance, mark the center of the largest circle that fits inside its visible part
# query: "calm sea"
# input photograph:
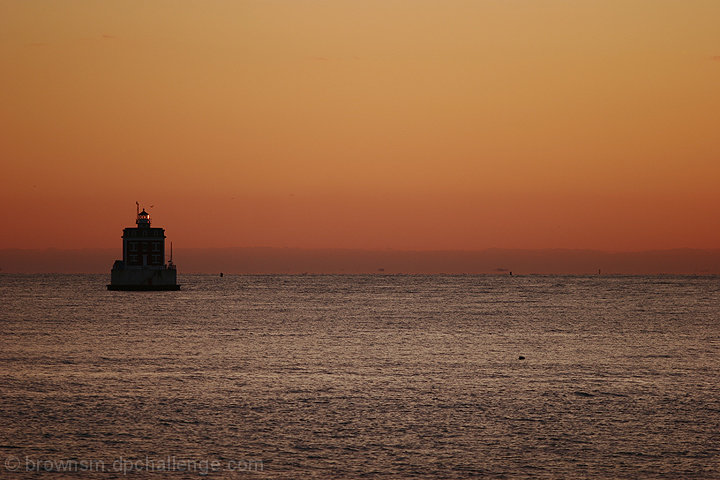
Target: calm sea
(361, 377)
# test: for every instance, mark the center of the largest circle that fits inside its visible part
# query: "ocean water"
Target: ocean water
(361, 377)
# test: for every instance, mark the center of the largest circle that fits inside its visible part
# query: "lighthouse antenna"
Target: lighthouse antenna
(171, 252)
(137, 208)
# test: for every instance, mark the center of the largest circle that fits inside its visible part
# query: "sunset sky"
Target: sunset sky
(400, 124)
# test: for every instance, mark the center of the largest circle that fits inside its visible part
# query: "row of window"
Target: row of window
(153, 260)
(133, 246)
(144, 232)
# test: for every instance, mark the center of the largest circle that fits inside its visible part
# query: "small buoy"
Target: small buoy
(521, 357)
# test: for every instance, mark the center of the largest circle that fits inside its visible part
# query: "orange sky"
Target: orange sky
(362, 124)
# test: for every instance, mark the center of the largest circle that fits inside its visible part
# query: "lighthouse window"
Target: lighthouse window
(156, 247)
(133, 247)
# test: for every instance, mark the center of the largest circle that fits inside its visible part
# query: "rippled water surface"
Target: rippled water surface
(361, 376)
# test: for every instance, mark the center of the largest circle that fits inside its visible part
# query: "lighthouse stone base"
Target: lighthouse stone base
(144, 278)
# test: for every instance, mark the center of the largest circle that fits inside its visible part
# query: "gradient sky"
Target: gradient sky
(402, 124)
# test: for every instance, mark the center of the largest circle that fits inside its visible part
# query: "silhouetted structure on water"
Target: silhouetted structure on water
(143, 264)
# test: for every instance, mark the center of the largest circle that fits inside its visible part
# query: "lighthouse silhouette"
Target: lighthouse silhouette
(143, 264)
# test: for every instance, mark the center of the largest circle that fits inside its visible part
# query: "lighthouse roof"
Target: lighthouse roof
(144, 212)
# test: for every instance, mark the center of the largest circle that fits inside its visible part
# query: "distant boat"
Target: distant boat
(143, 264)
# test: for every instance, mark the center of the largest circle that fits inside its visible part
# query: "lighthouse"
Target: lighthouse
(143, 264)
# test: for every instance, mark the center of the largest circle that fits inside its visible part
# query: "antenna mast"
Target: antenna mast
(137, 208)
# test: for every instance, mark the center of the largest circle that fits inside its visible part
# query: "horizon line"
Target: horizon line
(319, 260)
(391, 249)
